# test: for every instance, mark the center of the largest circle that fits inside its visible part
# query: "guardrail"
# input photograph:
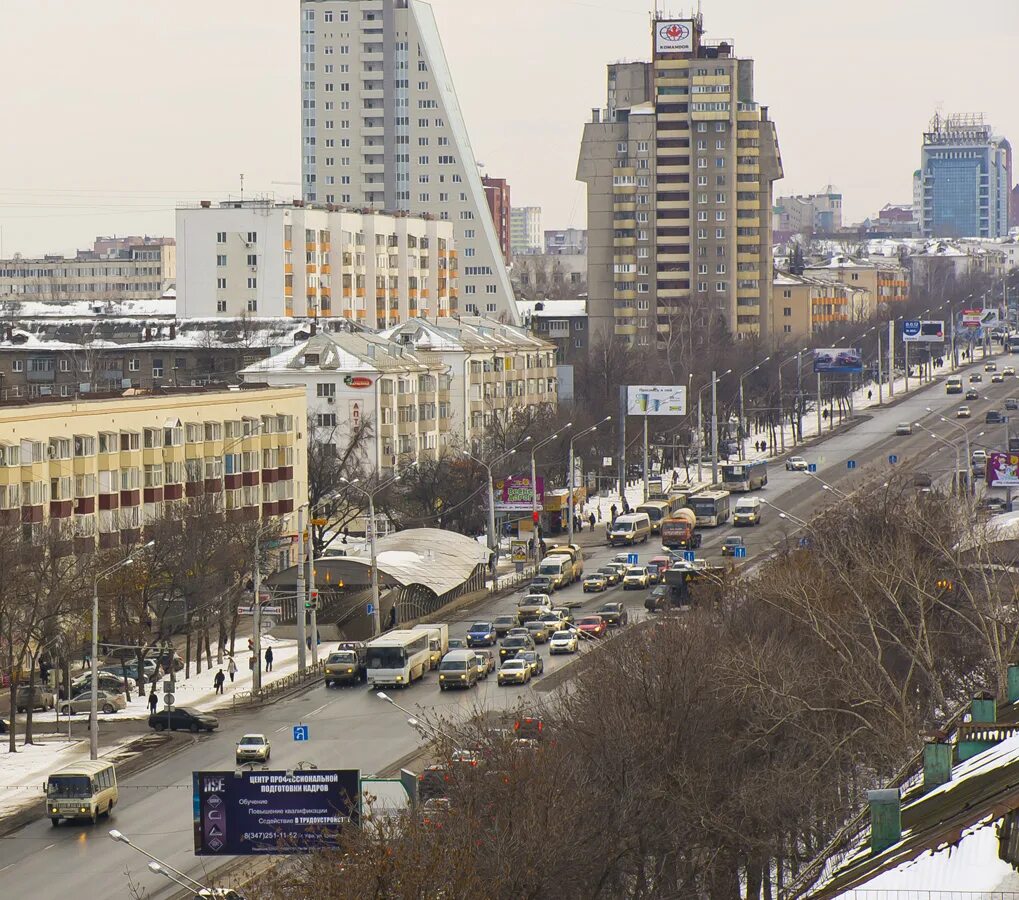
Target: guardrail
(279, 686)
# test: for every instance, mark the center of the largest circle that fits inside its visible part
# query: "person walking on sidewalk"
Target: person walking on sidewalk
(231, 667)
(218, 681)
(153, 701)
(590, 519)
(268, 659)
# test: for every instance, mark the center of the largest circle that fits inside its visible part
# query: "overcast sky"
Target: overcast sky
(114, 111)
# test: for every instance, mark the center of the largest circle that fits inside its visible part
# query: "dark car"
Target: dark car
(456, 644)
(614, 613)
(972, 394)
(481, 634)
(534, 660)
(993, 504)
(730, 545)
(183, 719)
(1012, 404)
(502, 624)
(657, 599)
(994, 417)
(976, 378)
(541, 584)
(611, 574)
(656, 573)
(512, 644)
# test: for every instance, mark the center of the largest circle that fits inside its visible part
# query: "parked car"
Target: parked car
(563, 642)
(481, 634)
(36, 697)
(107, 682)
(182, 718)
(514, 671)
(904, 428)
(964, 412)
(502, 624)
(731, 543)
(105, 703)
(595, 583)
(613, 613)
(592, 626)
(971, 394)
(252, 748)
(796, 464)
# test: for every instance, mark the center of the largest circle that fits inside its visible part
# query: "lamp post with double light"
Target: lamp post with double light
(575, 437)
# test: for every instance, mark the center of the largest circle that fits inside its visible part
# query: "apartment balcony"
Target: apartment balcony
(624, 295)
(625, 223)
(374, 131)
(627, 312)
(624, 189)
(748, 186)
(748, 169)
(672, 293)
(711, 115)
(626, 329)
(624, 206)
(673, 117)
(622, 242)
(671, 81)
(661, 151)
(673, 240)
(674, 170)
(673, 204)
(672, 257)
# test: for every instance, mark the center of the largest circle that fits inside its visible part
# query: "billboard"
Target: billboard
(674, 36)
(1003, 470)
(928, 331)
(656, 400)
(838, 359)
(981, 318)
(248, 813)
(514, 494)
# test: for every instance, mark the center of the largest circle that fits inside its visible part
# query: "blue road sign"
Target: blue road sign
(371, 609)
(631, 559)
(740, 552)
(804, 543)
(689, 556)
(850, 463)
(910, 327)
(811, 467)
(301, 733)
(893, 459)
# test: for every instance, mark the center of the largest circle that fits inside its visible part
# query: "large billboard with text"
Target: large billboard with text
(656, 400)
(1003, 470)
(927, 331)
(514, 493)
(837, 359)
(674, 36)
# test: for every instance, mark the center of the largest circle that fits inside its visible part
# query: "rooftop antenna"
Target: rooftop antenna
(242, 187)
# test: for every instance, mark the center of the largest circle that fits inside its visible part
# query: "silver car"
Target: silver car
(253, 748)
(105, 703)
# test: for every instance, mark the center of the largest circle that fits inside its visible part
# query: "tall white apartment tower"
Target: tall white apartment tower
(381, 128)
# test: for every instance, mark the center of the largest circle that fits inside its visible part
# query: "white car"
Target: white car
(636, 577)
(253, 748)
(796, 464)
(563, 642)
(536, 600)
(106, 702)
(903, 428)
(963, 412)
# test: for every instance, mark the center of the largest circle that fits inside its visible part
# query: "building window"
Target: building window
(221, 306)
(220, 237)
(133, 364)
(157, 367)
(221, 260)
(787, 311)
(221, 284)
(252, 306)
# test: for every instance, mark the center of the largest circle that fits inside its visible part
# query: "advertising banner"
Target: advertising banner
(923, 331)
(1003, 470)
(656, 400)
(838, 359)
(248, 813)
(981, 318)
(513, 494)
(674, 36)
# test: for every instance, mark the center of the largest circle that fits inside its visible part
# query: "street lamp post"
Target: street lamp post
(969, 455)
(534, 481)
(782, 514)
(493, 542)
(570, 473)
(742, 414)
(954, 447)
(781, 407)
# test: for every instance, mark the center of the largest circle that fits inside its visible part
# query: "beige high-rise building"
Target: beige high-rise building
(679, 169)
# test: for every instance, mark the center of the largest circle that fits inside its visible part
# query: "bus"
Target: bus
(397, 658)
(711, 508)
(744, 475)
(657, 511)
(83, 790)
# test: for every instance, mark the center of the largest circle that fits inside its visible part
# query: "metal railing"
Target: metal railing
(929, 895)
(279, 686)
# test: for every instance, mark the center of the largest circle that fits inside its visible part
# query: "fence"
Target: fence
(279, 686)
(929, 895)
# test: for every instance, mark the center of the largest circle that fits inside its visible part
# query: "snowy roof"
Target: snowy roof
(341, 352)
(551, 309)
(91, 309)
(467, 333)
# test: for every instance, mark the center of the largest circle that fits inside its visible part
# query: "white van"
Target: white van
(634, 528)
(84, 790)
(559, 568)
(747, 511)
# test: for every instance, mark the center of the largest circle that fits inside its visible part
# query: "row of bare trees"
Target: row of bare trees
(712, 753)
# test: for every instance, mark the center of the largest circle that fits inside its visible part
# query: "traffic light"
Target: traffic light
(312, 600)
(534, 517)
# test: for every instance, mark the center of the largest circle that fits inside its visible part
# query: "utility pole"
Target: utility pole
(621, 449)
(302, 596)
(714, 429)
(256, 638)
(891, 358)
(312, 591)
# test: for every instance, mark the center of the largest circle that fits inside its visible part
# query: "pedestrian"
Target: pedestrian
(268, 659)
(580, 523)
(153, 701)
(251, 662)
(590, 519)
(231, 667)
(764, 446)
(870, 395)
(613, 511)
(626, 507)
(218, 681)
(307, 641)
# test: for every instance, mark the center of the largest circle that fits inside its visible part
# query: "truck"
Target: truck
(575, 555)
(438, 642)
(679, 531)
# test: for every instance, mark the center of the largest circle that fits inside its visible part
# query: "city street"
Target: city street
(351, 727)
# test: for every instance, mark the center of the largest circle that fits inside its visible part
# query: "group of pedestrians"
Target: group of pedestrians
(218, 682)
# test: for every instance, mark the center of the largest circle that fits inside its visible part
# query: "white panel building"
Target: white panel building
(381, 128)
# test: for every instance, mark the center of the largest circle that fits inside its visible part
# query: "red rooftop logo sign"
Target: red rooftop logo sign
(674, 37)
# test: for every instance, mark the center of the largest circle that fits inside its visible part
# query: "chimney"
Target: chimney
(984, 709)
(885, 819)
(314, 327)
(206, 204)
(596, 116)
(1013, 684)
(148, 333)
(173, 330)
(937, 764)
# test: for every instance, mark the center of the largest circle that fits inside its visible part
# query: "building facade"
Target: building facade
(966, 178)
(884, 280)
(679, 169)
(381, 128)
(257, 258)
(108, 466)
(804, 305)
(542, 276)
(525, 230)
(810, 214)
(135, 268)
(568, 241)
(561, 322)
(497, 194)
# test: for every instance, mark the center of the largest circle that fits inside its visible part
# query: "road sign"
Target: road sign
(168, 686)
(893, 459)
(850, 463)
(245, 610)
(168, 698)
(804, 543)
(689, 556)
(301, 733)
(739, 552)
(370, 609)
(319, 523)
(631, 559)
(910, 327)
(272, 610)
(811, 467)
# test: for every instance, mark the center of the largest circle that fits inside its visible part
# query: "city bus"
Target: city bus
(680, 494)
(744, 475)
(711, 508)
(657, 511)
(397, 658)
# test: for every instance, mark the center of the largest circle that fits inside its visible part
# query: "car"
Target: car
(636, 577)
(563, 642)
(595, 583)
(657, 575)
(1012, 404)
(433, 783)
(456, 644)
(658, 598)
(623, 558)
(611, 574)
(963, 412)
(503, 624)
(106, 702)
(592, 626)
(481, 634)
(514, 671)
(972, 395)
(731, 543)
(541, 584)
(36, 697)
(1008, 371)
(997, 378)
(511, 645)
(252, 748)
(663, 562)
(993, 504)
(485, 662)
(620, 569)
(922, 480)
(565, 615)
(534, 660)
(343, 667)
(107, 682)
(976, 378)
(539, 631)
(130, 668)
(554, 621)
(518, 631)
(182, 718)
(614, 613)
(796, 464)
(532, 598)
(904, 428)
(990, 367)
(993, 417)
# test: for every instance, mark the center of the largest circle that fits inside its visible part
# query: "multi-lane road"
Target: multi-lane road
(352, 728)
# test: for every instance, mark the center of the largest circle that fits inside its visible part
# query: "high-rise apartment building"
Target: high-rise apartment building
(381, 128)
(679, 169)
(966, 178)
(525, 230)
(497, 193)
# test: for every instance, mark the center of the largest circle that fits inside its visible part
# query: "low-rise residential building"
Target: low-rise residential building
(569, 241)
(886, 281)
(808, 214)
(551, 276)
(259, 258)
(129, 268)
(109, 465)
(804, 305)
(561, 322)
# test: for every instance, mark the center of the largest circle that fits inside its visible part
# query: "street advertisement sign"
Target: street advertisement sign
(514, 493)
(923, 331)
(250, 813)
(674, 36)
(518, 549)
(1003, 470)
(656, 400)
(837, 359)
